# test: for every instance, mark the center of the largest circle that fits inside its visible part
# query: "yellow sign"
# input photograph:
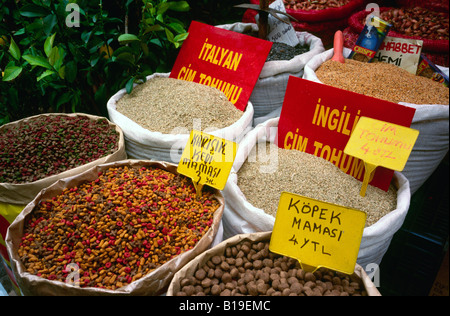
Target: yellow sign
(380, 143)
(207, 159)
(316, 233)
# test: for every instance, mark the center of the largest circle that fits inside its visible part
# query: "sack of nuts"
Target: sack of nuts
(244, 265)
(122, 228)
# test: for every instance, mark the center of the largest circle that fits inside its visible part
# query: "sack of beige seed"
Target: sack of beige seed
(431, 119)
(91, 252)
(268, 274)
(261, 171)
(269, 90)
(158, 115)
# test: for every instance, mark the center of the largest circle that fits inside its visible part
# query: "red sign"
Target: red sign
(318, 119)
(226, 60)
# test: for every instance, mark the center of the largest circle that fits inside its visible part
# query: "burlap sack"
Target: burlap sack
(199, 261)
(154, 283)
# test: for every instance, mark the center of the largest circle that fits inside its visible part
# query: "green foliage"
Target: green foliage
(53, 62)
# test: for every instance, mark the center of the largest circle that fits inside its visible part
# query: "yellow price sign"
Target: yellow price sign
(380, 143)
(207, 159)
(316, 233)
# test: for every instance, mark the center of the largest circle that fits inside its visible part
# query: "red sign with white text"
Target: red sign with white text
(318, 119)
(226, 60)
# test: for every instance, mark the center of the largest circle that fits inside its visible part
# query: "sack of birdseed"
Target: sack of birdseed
(91, 234)
(158, 115)
(432, 121)
(269, 90)
(263, 171)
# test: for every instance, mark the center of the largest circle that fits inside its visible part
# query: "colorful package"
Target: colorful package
(427, 69)
(370, 39)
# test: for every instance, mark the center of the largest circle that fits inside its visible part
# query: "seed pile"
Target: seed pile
(48, 145)
(174, 106)
(282, 51)
(314, 177)
(251, 269)
(383, 81)
(309, 5)
(117, 228)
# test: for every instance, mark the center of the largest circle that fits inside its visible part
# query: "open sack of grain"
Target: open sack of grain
(262, 171)
(391, 83)
(269, 90)
(122, 228)
(244, 265)
(157, 117)
(39, 150)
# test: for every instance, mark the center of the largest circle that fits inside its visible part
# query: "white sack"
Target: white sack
(141, 143)
(431, 120)
(269, 90)
(241, 217)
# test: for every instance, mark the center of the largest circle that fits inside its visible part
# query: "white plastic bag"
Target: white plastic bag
(141, 143)
(431, 120)
(269, 90)
(241, 217)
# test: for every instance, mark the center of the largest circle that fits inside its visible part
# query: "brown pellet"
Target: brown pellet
(264, 280)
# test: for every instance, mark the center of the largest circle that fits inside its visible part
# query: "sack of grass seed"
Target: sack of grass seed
(40, 150)
(431, 120)
(269, 90)
(262, 171)
(159, 114)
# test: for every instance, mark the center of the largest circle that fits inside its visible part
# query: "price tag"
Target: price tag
(316, 233)
(380, 143)
(207, 159)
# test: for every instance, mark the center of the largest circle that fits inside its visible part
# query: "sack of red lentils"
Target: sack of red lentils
(269, 90)
(268, 274)
(429, 99)
(39, 150)
(158, 115)
(122, 228)
(262, 171)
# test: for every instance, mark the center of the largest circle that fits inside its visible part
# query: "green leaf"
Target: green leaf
(48, 45)
(127, 38)
(37, 61)
(169, 35)
(32, 11)
(181, 37)
(14, 49)
(177, 27)
(162, 8)
(53, 56)
(70, 71)
(11, 72)
(180, 6)
(129, 85)
(45, 74)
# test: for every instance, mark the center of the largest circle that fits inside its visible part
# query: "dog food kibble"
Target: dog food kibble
(116, 229)
(172, 106)
(314, 177)
(383, 81)
(50, 144)
(249, 268)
